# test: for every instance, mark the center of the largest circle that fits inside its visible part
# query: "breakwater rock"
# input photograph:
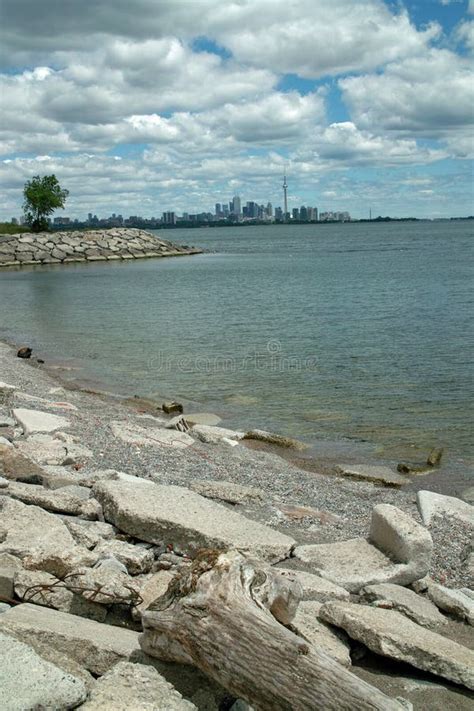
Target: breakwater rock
(85, 246)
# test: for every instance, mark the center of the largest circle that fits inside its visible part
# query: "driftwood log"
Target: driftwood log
(226, 615)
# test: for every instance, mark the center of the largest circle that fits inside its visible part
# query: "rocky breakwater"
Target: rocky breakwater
(85, 246)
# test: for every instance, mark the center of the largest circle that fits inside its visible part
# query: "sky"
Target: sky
(144, 106)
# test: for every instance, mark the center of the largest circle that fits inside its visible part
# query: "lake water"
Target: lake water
(352, 335)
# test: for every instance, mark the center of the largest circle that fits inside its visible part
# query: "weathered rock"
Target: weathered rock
(70, 247)
(306, 624)
(171, 407)
(15, 466)
(26, 528)
(215, 435)
(417, 608)
(370, 472)
(24, 352)
(40, 588)
(313, 587)
(174, 515)
(135, 686)
(398, 551)
(157, 437)
(9, 565)
(4, 483)
(404, 540)
(136, 559)
(29, 682)
(45, 449)
(272, 438)
(434, 457)
(457, 602)
(95, 645)
(7, 421)
(432, 504)
(60, 563)
(89, 533)
(227, 491)
(391, 634)
(55, 500)
(36, 421)
(6, 392)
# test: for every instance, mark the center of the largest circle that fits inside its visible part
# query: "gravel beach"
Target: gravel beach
(337, 508)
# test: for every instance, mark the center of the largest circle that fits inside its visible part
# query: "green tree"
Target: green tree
(42, 196)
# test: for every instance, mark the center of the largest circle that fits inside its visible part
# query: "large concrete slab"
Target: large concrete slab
(417, 608)
(130, 686)
(95, 645)
(177, 516)
(374, 473)
(391, 634)
(432, 504)
(29, 682)
(27, 528)
(148, 437)
(37, 421)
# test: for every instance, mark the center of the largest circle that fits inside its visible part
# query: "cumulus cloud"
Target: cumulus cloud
(203, 98)
(428, 95)
(309, 37)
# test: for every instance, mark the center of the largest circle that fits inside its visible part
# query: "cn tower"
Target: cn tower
(285, 197)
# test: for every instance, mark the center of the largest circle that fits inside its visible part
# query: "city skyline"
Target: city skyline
(134, 104)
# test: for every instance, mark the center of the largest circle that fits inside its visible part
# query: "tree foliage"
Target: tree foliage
(42, 196)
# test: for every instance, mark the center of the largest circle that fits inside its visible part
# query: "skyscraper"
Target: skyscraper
(237, 205)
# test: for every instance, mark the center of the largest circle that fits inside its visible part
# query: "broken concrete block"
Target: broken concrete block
(393, 635)
(214, 435)
(29, 682)
(307, 625)
(156, 437)
(174, 515)
(403, 539)
(27, 528)
(417, 608)
(55, 500)
(227, 491)
(94, 645)
(136, 559)
(432, 504)
(36, 421)
(457, 602)
(135, 686)
(374, 473)
(88, 533)
(9, 564)
(313, 586)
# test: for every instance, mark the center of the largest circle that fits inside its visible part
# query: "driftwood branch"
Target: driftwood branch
(226, 616)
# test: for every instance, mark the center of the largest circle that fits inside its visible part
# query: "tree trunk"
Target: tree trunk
(226, 616)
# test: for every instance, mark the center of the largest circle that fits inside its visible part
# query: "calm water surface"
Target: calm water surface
(356, 334)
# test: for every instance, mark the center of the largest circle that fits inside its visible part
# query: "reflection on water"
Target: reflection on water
(327, 331)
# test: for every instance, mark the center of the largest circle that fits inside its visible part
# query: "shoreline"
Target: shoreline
(98, 486)
(321, 455)
(292, 461)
